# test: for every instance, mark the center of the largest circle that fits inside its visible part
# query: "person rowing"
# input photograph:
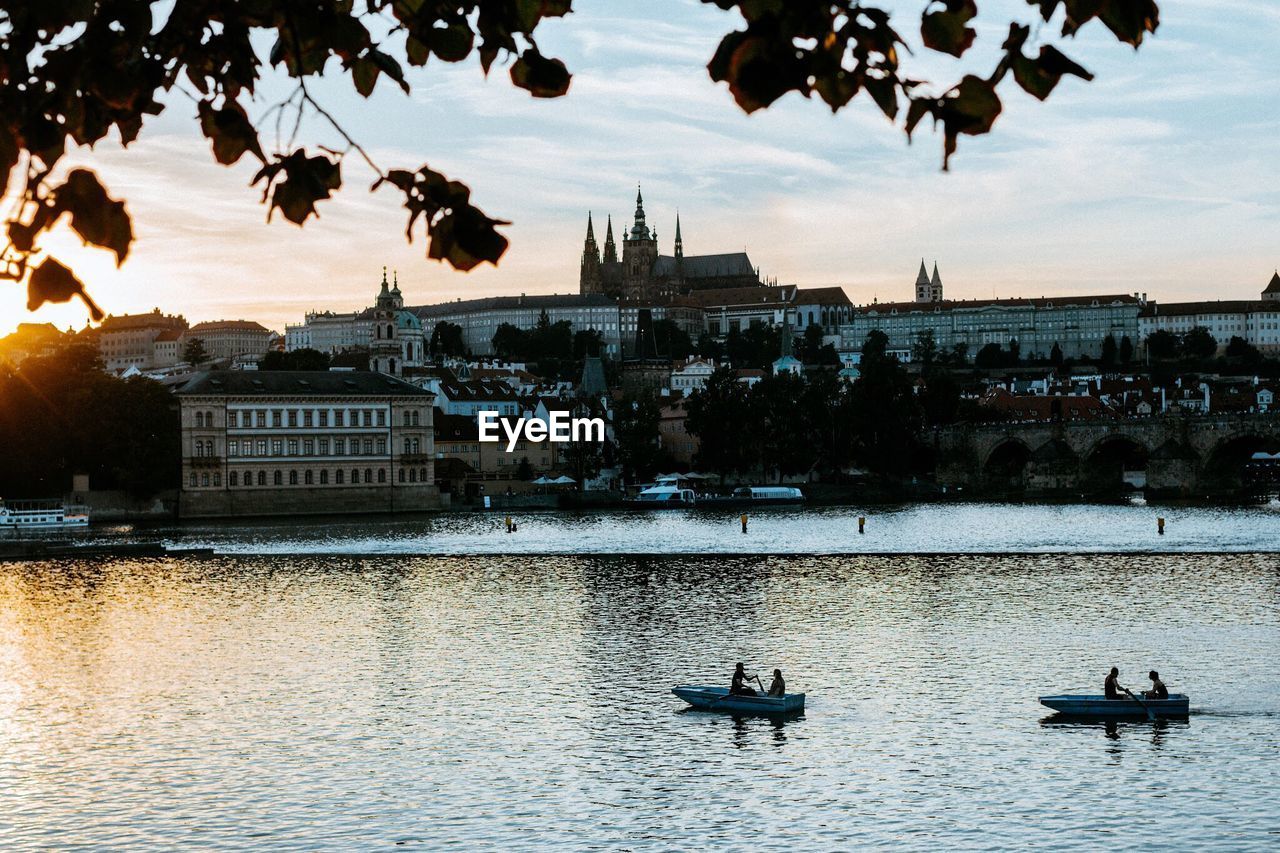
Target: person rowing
(1111, 687)
(1158, 690)
(738, 687)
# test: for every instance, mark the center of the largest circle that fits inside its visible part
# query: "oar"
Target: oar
(1151, 715)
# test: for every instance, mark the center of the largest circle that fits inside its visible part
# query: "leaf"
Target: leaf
(230, 131)
(52, 282)
(8, 157)
(1040, 76)
(542, 77)
(389, 66)
(884, 93)
(95, 216)
(948, 31)
(971, 108)
(758, 73)
(306, 181)
(452, 43)
(364, 73)
(466, 238)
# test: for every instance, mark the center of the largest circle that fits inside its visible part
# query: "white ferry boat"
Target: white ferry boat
(39, 515)
(666, 492)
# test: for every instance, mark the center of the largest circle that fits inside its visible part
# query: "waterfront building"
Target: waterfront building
(490, 467)
(228, 339)
(128, 340)
(298, 442)
(1256, 321)
(692, 375)
(642, 274)
(480, 318)
(1077, 324)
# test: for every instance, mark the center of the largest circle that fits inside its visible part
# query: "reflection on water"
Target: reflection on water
(349, 702)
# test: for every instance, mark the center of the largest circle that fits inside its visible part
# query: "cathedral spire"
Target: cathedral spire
(679, 239)
(639, 231)
(384, 291)
(923, 277)
(610, 248)
(395, 281)
(591, 234)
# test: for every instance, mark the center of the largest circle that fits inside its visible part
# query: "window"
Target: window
(193, 478)
(382, 417)
(262, 419)
(408, 420)
(416, 416)
(408, 446)
(277, 477)
(339, 447)
(275, 417)
(413, 475)
(368, 475)
(217, 478)
(422, 474)
(402, 475)
(306, 418)
(293, 417)
(355, 476)
(293, 447)
(324, 477)
(337, 477)
(307, 478)
(277, 447)
(204, 479)
(262, 478)
(199, 419)
(324, 417)
(208, 419)
(368, 447)
(233, 448)
(308, 447)
(324, 447)
(233, 479)
(262, 447)
(382, 447)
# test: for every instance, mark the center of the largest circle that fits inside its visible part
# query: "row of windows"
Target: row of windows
(306, 447)
(307, 418)
(246, 479)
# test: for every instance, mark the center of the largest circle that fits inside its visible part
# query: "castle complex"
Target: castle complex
(644, 275)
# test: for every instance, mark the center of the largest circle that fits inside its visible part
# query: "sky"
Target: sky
(1162, 176)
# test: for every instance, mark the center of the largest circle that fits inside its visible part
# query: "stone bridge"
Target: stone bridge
(1169, 455)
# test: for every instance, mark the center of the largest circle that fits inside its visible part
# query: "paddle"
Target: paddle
(1151, 715)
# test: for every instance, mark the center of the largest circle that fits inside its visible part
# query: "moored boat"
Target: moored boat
(756, 496)
(1177, 706)
(719, 699)
(27, 516)
(663, 495)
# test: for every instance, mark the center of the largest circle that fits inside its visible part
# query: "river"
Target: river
(339, 686)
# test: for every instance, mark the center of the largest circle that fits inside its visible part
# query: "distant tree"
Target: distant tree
(991, 355)
(355, 358)
(524, 471)
(1162, 345)
(1240, 350)
(1015, 353)
(959, 354)
(1109, 351)
(717, 414)
(883, 411)
(940, 400)
(672, 341)
(509, 342)
(635, 427)
(809, 348)
(299, 359)
(587, 343)
(1199, 343)
(447, 340)
(193, 352)
(1055, 355)
(785, 443)
(1126, 350)
(709, 347)
(757, 346)
(925, 350)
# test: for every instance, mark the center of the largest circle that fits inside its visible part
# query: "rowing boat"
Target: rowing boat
(718, 699)
(1177, 706)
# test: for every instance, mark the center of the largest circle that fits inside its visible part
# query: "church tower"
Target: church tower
(384, 349)
(610, 248)
(935, 285)
(923, 287)
(589, 279)
(639, 253)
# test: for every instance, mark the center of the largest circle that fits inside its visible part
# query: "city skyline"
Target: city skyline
(1169, 191)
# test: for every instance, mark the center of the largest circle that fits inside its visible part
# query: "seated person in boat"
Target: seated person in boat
(777, 687)
(1158, 690)
(738, 687)
(1111, 687)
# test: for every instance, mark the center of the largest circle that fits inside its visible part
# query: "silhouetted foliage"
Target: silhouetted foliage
(1162, 345)
(298, 359)
(1199, 343)
(446, 340)
(62, 415)
(1110, 351)
(75, 72)
(635, 428)
(194, 353)
(671, 340)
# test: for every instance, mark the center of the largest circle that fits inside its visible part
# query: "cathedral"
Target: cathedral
(642, 274)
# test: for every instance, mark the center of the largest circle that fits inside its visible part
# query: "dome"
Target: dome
(407, 320)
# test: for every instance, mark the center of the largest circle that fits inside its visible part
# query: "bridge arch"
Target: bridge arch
(1227, 465)
(1115, 463)
(1005, 466)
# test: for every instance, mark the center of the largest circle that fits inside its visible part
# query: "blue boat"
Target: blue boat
(718, 699)
(1176, 707)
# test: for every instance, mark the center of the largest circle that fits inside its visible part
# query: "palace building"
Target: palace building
(304, 442)
(643, 274)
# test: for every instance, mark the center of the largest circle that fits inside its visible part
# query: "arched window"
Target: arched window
(208, 419)
(406, 417)
(293, 478)
(355, 476)
(337, 477)
(233, 478)
(324, 477)
(278, 478)
(262, 478)
(200, 419)
(423, 475)
(382, 475)
(308, 477)
(413, 475)
(368, 475)
(402, 475)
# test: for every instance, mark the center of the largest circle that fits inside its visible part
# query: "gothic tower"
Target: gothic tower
(639, 253)
(923, 287)
(935, 285)
(589, 280)
(610, 248)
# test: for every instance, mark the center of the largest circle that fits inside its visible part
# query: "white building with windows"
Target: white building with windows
(1257, 321)
(480, 318)
(293, 442)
